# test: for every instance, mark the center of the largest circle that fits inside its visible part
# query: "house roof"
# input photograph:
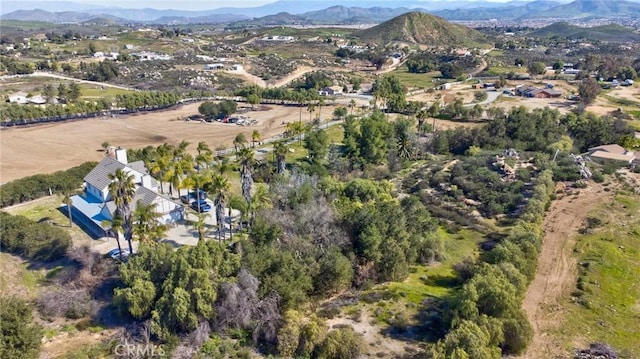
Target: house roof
(552, 92)
(99, 175)
(18, 94)
(144, 195)
(613, 156)
(613, 148)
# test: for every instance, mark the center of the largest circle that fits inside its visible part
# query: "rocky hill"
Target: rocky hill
(420, 28)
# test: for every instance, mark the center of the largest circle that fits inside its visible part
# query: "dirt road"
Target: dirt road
(557, 269)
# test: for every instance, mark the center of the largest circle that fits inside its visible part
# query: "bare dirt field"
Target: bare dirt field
(48, 148)
(557, 269)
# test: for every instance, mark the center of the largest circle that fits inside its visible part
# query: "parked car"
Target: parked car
(193, 196)
(118, 255)
(201, 206)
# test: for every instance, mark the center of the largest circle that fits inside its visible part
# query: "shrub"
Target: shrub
(31, 240)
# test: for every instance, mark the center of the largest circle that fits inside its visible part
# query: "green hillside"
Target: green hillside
(610, 33)
(421, 28)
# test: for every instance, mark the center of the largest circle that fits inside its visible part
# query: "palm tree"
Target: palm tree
(260, 200)
(237, 202)
(246, 172)
(239, 142)
(255, 137)
(280, 150)
(320, 104)
(198, 181)
(352, 105)
(145, 223)
(220, 187)
(205, 155)
(115, 227)
(200, 225)
(69, 202)
(311, 107)
(122, 189)
(179, 170)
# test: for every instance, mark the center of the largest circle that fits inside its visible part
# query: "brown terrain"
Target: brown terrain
(26, 151)
(557, 269)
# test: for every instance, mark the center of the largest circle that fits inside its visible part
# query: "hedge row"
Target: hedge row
(32, 187)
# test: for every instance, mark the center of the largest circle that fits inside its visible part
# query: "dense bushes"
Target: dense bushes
(486, 317)
(19, 337)
(38, 241)
(32, 187)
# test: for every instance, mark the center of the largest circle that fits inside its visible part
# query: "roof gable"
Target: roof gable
(99, 175)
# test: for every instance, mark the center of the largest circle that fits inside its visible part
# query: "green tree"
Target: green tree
(373, 138)
(63, 92)
(317, 144)
(219, 189)
(255, 137)
(239, 142)
(342, 343)
(537, 68)
(20, 338)
(588, 90)
(146, 226)
(253, 99)
(115, 227)
(69, 203)
(49, 93)
(74, 92)
(122, 189)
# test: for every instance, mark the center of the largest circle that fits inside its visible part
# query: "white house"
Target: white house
(95, 206)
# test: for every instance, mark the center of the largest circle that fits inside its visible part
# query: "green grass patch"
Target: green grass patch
(93, 91)
(607, 307)
(622, 101)
(440, 279)
(418, 80)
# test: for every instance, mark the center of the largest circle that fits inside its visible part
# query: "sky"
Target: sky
(197, 4)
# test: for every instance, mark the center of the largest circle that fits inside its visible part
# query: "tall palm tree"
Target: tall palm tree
(198, 181)
(200, 225)
(311, 107)
(239, 142)
(320, 104)
(280, 150)
(122, 189)
(205, 155)
(259, 200)
(352, 105)
(238, 202)
(255, 137)
(145, 223)
(115, 226)
(180, 169)
(246, 172)
(69, 202)
(220, 187)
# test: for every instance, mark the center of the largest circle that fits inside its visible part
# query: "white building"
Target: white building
(95, 206)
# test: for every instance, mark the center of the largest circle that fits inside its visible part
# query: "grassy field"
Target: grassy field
(418, 80)
(94, 91)
(607, 300)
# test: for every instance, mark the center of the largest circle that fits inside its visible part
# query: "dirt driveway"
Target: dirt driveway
(557, 269)
(48, 148)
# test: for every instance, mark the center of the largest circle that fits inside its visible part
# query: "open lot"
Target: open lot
(48, 148)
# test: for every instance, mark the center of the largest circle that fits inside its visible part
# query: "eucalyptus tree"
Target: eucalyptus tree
(122, 190)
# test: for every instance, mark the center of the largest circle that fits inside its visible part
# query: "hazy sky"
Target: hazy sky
(197, 4)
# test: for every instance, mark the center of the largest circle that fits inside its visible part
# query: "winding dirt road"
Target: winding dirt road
(557, 269)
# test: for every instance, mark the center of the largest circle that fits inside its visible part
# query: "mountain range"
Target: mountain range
(327, 11)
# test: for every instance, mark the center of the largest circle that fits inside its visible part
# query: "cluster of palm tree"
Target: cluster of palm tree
(175, 166)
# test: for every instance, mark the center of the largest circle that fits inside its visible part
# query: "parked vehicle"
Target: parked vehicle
(193, 196)
(118, 255)
(200, 206)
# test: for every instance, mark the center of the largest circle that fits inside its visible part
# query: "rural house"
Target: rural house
(613, 153)
(95, 206)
